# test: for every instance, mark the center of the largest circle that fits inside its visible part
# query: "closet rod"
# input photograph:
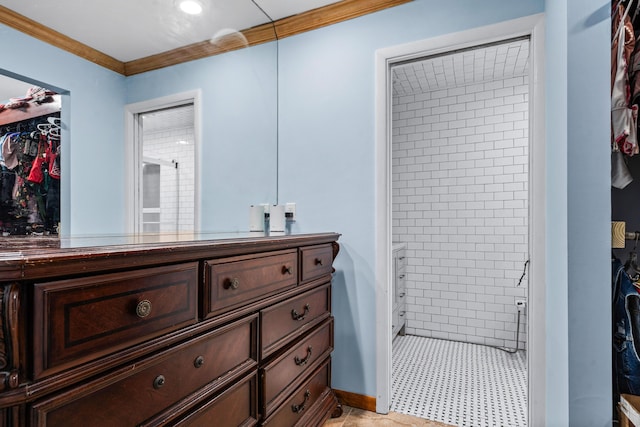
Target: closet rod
(632, 235)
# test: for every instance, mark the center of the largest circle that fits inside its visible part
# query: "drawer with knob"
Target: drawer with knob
(316, 261)
(236, 406)
(301, 403)
(152, 388)
(281, 374)
(284, 322)
(234, 282)
(79, 320)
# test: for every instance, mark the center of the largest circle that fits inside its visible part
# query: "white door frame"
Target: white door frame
(532, 26)
(133, 154)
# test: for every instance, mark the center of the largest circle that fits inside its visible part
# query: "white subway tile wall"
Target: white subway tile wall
(177, 193)
(460, 203)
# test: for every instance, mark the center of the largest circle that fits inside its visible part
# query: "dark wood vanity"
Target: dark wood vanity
(152, 330)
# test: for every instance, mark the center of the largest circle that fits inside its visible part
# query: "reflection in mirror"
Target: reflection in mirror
(235, 149)
(29, 159)
(235, 125)
(168, 170)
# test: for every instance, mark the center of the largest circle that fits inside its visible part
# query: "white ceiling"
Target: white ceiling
(134, 29)
(169, 118)
(482, 64)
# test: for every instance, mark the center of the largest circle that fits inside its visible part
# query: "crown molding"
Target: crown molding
(331, 14)
(286, 27)
(253, 36)
(34, 29)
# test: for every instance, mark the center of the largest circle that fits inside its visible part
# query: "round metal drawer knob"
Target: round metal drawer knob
(158, 382)
(198, 362)
(143, 309)
(232, 283)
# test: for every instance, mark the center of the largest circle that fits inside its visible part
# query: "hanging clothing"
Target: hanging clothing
(629, 41)
(29, 164)
(626, 332)
(7, 183)
(624, 118)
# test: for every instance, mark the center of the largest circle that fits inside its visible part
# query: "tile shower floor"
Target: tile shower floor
(458, 383)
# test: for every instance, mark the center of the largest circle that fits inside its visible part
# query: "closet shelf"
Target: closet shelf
(33, 110)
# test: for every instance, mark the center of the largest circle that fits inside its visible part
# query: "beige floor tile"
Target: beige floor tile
(354, 417)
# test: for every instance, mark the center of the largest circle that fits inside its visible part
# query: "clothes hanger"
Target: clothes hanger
(54, 132)
(44, 128)
(621, 26)
(55, 121)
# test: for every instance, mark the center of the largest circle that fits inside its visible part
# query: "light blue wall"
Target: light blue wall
(557, 402)
(327, 149)
(239, 134)
(589, 211)
(327, 165)
(578, 211)
(93, 185)
(238, 159)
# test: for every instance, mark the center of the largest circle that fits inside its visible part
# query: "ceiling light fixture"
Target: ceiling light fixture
(191, 7)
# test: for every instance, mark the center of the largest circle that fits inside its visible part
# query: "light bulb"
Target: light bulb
(191, 7)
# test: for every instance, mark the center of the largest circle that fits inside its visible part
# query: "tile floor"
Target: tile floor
(354, 417)
(461, 384)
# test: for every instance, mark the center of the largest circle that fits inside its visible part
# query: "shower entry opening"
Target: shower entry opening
(460, 139)
(166, 190)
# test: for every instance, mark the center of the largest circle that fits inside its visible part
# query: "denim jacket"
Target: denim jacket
(626, 332)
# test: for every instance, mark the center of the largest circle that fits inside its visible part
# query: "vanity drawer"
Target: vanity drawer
(280, 374)
(285, 321)
(234, 282)
(78, 320)
(302, 400)
(160, 384)
(315, 262)
(234, 407)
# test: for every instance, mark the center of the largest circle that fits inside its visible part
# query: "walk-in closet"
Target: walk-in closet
(30, 170)
(625, 201)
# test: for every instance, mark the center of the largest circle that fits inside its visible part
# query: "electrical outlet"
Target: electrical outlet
(290, 211)
(521, 304)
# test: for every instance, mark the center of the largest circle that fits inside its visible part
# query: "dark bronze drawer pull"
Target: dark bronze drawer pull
(318, 261)
(232, 283)
(299, 408)
(301, 362)
(198, 362)
(158, 382)
(143, 309)
(287, 270)
(296, 316)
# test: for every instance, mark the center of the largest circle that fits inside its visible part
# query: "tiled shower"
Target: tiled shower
(460, 193)
(169, 139)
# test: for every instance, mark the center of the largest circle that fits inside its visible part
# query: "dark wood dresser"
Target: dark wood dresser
(156, 330)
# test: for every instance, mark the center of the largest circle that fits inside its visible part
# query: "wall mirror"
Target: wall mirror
(234, 110)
